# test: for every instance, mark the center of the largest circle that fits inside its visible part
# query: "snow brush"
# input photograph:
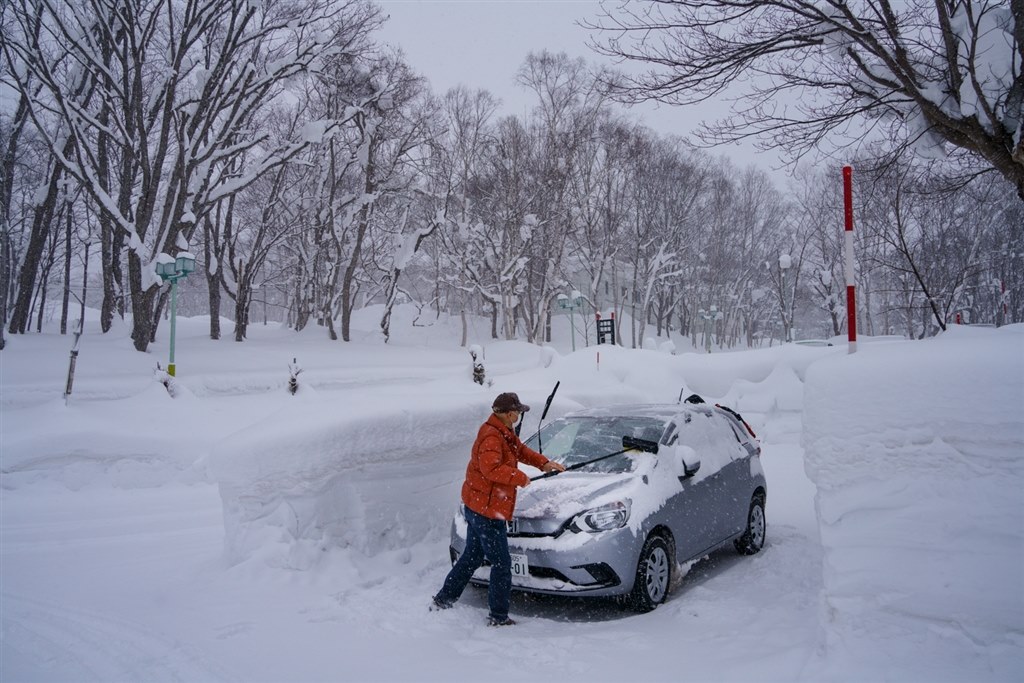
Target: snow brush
(629, 443)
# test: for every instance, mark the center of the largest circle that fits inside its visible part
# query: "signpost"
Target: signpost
(572, 302)
(851, 297)
(605, 329)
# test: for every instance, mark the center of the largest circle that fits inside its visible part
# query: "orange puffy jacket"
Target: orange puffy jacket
(492, 474)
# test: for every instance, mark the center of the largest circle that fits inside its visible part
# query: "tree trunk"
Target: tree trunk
(302, 312)
(158, 312)
(332, 334)
(106, 260)
(5, 281)
(389, 304)
(85, 287)
(44, 281)
(213, 290)
(42, 305)
(66, 300)
(350, 272)
(212, 278)
(243, 294)
(142, 304)
(241, 313)
(43, 215)
(6, 190)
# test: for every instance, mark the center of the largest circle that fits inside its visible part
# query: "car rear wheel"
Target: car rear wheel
(752, 539)
(653, 575)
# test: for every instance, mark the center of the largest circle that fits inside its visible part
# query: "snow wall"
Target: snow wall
(920, 504)
(340, 475)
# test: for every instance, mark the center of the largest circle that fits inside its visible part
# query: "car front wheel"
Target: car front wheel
(752, 539)
(653, 575)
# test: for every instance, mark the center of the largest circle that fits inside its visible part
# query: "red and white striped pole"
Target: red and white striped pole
(851, 298)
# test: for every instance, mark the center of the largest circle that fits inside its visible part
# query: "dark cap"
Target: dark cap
(508, 401)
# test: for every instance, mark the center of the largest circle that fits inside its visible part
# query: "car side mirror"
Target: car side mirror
(689, 460)
(690, 468)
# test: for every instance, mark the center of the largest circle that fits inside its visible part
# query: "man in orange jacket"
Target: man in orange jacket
(489, 496)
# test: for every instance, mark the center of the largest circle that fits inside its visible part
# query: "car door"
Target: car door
(697, 508)
(733, 500)
(708, 507)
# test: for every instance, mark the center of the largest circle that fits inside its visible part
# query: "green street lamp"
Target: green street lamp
(571, 303)
(171, 270)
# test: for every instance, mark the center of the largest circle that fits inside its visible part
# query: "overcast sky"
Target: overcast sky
(482, 44)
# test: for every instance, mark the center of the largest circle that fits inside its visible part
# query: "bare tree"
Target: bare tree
(601, 199)
(459, 161)
(933, 243)
(819, 217)
(569, 108)
(926, 72)
(168, 89)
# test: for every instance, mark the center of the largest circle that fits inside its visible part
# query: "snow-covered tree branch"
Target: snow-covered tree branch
(929, 74)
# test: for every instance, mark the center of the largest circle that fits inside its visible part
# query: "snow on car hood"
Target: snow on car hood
(564, 495)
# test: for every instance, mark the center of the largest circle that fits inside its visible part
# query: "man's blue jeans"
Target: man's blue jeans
(485, 538)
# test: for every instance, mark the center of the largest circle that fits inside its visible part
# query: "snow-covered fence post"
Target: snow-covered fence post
(293, 379)
(74, 358)
(479, 374)
(851, 298)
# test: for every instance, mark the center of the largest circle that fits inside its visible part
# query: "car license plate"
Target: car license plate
(520, 565)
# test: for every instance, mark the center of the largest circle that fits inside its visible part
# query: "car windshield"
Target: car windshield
(574, 440)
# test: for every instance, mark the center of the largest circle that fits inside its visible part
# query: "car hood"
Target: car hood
(543, 506)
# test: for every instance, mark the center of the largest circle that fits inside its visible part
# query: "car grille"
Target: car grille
(604, 575)
(515, 530)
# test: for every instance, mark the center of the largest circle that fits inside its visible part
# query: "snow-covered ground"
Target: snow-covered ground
(239, 533)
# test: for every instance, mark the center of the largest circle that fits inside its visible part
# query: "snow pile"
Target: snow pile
(344, 473)
(915, 450)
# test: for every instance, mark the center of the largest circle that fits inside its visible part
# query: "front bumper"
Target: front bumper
(593, 564)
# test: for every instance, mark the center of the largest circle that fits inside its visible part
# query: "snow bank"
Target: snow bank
(141, 442)
(372, 475)
(919, 504)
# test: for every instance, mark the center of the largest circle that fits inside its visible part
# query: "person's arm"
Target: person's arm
(538, 460)
(489, 460)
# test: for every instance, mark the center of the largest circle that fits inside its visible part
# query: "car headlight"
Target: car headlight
(604, 518)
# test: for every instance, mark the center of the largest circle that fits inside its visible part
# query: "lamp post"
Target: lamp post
(571, 302)
(708, 316)
(171, 270)
(785, 261)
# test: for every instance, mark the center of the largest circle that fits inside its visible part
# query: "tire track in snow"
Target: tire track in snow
(52, 641)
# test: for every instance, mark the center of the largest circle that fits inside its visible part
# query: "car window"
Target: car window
(729, 436)
(735, 428)
(574, 440)
(713, 441)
